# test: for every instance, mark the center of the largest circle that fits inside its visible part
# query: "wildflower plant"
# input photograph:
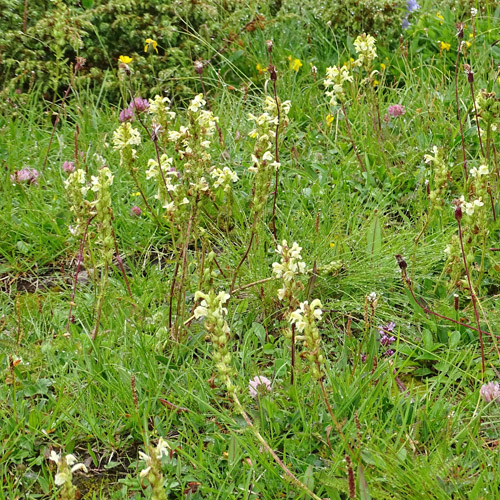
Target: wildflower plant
(66, 466)
(305, 318)
(212, 309)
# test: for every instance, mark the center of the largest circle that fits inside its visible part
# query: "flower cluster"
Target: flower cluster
(386, 337)
(304, 319)
(223, 178)
(490, 392)
(267, 124)
(64, 476)
(124, 137)
(152, 472)
(440, 176)
(470, 206)
(25, 175)
(101, 186)
(396, 110)
(365, 48)
(159, 108)
(137, 105)
(76, 190)
(289, 267)
(259, 386)
(412, 7)
(212, 309)
(335, 79)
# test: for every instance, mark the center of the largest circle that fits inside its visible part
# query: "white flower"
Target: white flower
(471, 206)
(478, 172)
(224, 177)
(125, 135)
(365, 47)
(473, 12)
(197, 103)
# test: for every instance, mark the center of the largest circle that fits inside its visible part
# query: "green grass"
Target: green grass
(436, 438)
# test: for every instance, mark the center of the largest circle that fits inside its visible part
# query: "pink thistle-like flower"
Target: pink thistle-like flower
(490, 392)
(396, 110)
(259, 385)
(127, 115)
(136, 211)
(139, 104)
(68, 167)
(27, 175)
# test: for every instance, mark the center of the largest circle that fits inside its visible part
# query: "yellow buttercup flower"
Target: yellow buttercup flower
(332, 244)
(439, 16)
(329, 119)
(382, 66)
(295, 64)
(444, 46)
(153, 43)
(376, 83)
(125, 59)
(261, 69)
(498, 80)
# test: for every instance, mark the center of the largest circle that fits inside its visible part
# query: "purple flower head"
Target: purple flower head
(259, 386)
(363, 358)
(127, 115)
(413, 5)
(405, 23)
(388, 354)
(396, 110)
(27, 175)
(139, 104)
(68, 167)
(386, 339)
(136, 211)
(490, 392)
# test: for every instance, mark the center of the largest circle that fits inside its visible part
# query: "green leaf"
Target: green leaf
(364, 491)
(87, 4)
(454, 339)
(374, 237)
(427, 340)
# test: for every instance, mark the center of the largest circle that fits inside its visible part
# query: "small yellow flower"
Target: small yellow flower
(332, 244)
(329, 119)
(468, 44)
(136, 194)
(439, 16)
(382, 66)
(498, 80)
(444, 46)
(471, 35)
(376, 83)
(295, 64)
(125, 59)
(153, 43)
(261, 69)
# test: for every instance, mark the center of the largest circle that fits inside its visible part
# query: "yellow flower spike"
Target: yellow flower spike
(153, 43)
(444, 46)
(125, 59)
(329, 119)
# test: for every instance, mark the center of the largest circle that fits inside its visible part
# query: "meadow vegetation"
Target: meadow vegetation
(250, 250)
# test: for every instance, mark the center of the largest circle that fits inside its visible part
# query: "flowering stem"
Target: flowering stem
(219, 131)
(473, 296)
(292, 369)
(252, 236)
(299, 484)
(471, 82)
(78, 264)
(349, 133)
(458, 110)
(272, 72)
(120, 265)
